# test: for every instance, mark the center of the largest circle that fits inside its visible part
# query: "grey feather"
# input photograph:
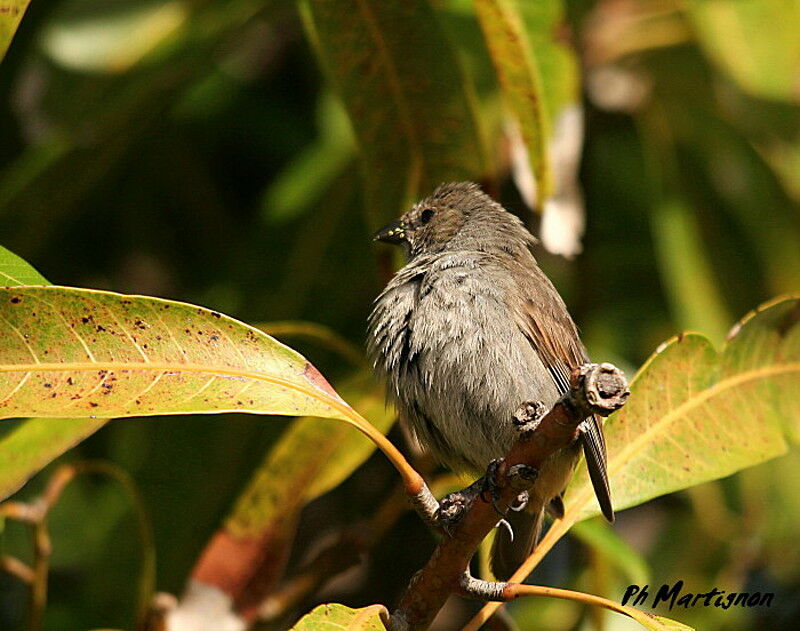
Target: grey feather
(468, 330)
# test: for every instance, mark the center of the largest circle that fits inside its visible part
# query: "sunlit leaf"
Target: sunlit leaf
(16, 271)
(402, 84)
(27, 445)
(11, 13)
(77, 352)
(335, 617)
(695, 414)
(539, 78)
(507, 42)
(660, 623)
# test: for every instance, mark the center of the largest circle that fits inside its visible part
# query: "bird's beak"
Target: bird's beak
(394, 233)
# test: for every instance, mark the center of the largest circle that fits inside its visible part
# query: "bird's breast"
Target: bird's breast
(456, 361)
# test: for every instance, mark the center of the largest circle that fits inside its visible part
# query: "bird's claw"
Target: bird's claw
(508, 527)
(520, 503)
(489, 486)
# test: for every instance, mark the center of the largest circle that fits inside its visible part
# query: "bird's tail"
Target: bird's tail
(508, 554)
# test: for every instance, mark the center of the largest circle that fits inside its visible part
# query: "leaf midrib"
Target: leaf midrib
(164, 367)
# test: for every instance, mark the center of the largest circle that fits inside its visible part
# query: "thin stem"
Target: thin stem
(42, 549)
(323, 335)
(35, 513)
(516, 590)
(556, 531)
(412, 480)
(17, 568)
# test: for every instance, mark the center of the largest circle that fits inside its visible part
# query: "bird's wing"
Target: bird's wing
(547, 325)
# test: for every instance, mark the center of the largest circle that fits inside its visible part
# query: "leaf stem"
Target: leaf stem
(516, 590)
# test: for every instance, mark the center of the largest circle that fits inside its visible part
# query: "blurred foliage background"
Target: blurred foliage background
(239, 153)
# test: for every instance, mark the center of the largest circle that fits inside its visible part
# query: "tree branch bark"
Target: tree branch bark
(595, 389)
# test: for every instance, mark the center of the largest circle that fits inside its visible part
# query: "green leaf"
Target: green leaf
(555, 59)
(512, 55)
(28, 445)
(310, 174)
(687, 275)
(335, 617)
(403, 86)
(599, 534)
(695, 414)
(11, 12)
(78, 352)
(16, 271)
(755, 42)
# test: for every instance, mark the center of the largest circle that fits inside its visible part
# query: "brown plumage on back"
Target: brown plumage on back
(468, 330)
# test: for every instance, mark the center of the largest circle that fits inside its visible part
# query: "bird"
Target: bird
(468, 330)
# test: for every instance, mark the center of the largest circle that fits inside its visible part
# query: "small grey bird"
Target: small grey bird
(468, 330)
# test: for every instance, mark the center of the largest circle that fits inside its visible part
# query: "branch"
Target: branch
(595, 389)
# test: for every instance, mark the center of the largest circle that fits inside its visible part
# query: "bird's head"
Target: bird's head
(455, 216)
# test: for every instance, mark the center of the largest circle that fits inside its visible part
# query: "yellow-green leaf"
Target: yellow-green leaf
(657, 623)
(695, 414)
(16, 271)
(734, 35)
(512, 55)
(69, 352)
(11, 12)
(27, 445)
(335, 617)
(309, 459)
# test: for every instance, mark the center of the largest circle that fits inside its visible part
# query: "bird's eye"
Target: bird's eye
(426, 215)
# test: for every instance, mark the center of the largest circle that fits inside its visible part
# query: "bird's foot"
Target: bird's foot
(489, 486)
(521, 477)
